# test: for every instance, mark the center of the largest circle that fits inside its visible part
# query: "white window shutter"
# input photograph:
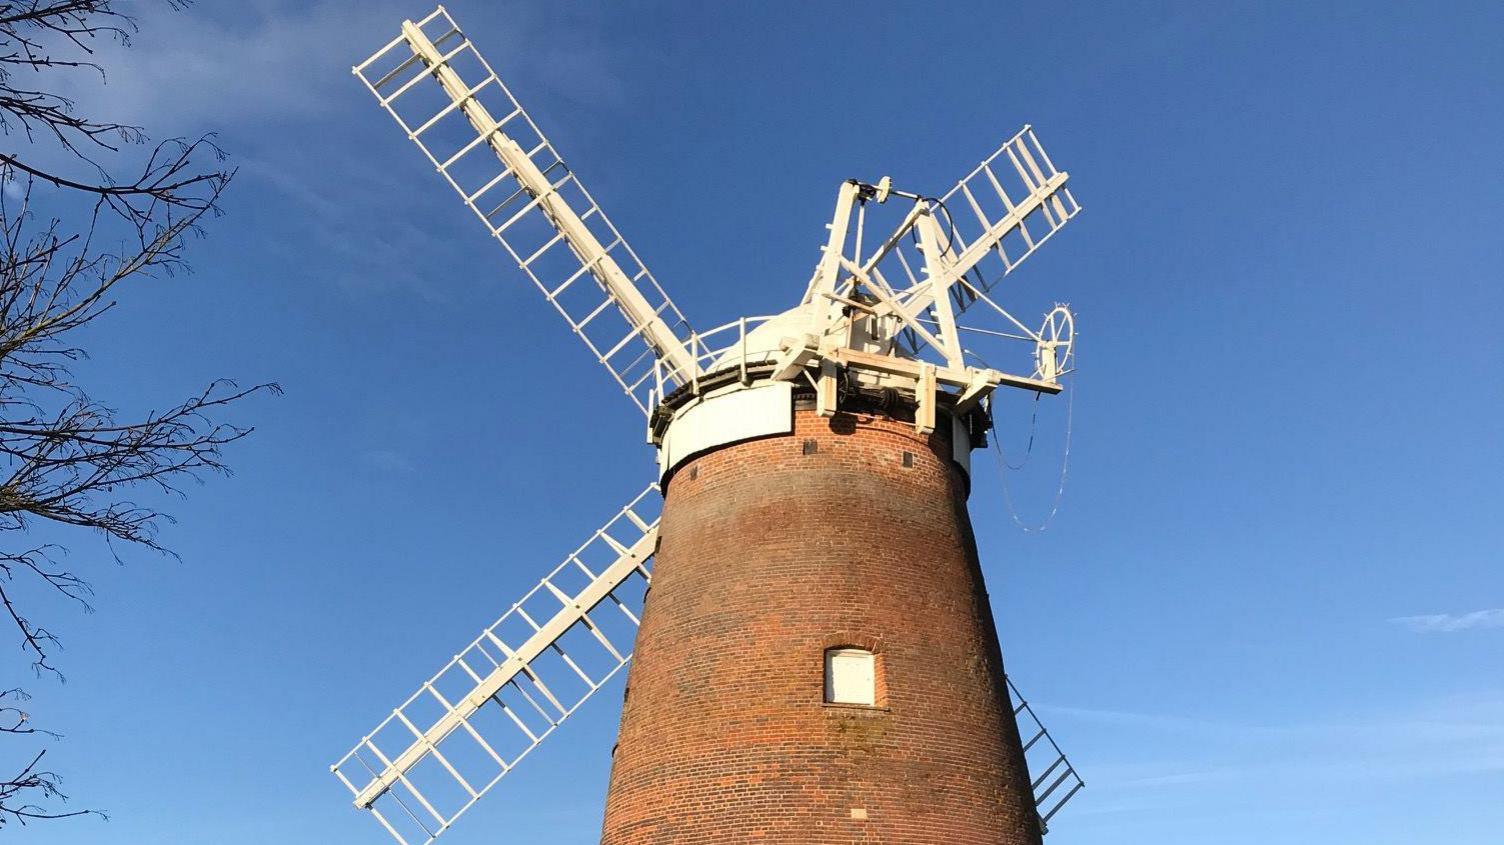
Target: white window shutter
(850, 676)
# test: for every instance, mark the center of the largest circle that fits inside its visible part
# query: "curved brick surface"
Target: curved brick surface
(769, 555)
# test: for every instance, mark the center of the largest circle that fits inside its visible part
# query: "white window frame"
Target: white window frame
(850, 676)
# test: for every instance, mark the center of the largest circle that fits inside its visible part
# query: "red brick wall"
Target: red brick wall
(768, 556)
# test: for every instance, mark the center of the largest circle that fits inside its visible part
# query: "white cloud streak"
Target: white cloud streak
(1166, 762)
(283, 64)
(272, 77)
(1447, 623)
(188, 71)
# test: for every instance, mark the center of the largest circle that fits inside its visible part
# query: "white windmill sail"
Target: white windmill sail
(450, 102)
(993, 219)
(500, 697)
(944, 255)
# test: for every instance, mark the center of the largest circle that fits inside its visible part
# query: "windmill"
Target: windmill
(817, 661)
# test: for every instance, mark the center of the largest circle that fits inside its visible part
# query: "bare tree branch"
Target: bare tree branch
(17, 791)
(67, 458)
(30, 780)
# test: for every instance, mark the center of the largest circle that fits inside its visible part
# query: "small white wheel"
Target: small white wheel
(1054, 351)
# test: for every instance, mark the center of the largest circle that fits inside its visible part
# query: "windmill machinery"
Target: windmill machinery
(817, 661)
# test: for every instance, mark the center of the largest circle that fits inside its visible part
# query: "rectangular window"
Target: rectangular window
(850, 676)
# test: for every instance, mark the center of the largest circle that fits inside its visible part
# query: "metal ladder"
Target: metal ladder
(1045, 757)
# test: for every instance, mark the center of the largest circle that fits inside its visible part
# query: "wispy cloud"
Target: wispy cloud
(1446, 623)
(194, 70)
(272, 77)
(283, 63)
(1165, 762)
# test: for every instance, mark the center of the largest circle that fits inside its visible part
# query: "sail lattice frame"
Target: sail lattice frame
(498, 699)
(449, 101)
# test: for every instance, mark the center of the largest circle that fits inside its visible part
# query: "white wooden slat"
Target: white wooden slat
(649, 316)
(629, 538)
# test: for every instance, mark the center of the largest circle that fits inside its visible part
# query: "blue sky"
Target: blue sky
(1285, 452)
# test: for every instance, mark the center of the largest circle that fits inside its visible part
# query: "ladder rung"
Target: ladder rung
(585, 267)
(642, 378)
(1038, 147)
(444, 702)
(496, 209)
(636, 520)
(1049, 216)
(533, 202)
(601, 638)
(524, 614)
(1023, 231)
(530, 700)
(1054, 786)
(647, 352)
(474, 676)
(976, 208)
(564, 284)
(406, 63)
(480, 740)
(514, 717)
(388, 826)
(1008, 263)
(538, 253)
(563, 597)
(392, 74)
(506, 650)
(445, 57)
(521, 190)
(1075, 787)
(1059, 208)
(1022, 173)
(428, 68)
(620, 344)
(435, 13)
(480, 646)
(547, 693)
(444, 761)
(1047, 772)
(612, 542)
(402, 778)
(414, 816)
(570, 661)
(998, 187)
(582, 567)
(479, 139)
(471, 198)
(622, 606)
(455, 104)
(599, 309)
(1039, 178)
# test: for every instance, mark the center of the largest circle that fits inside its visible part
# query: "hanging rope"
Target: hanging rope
(1033, 426)
(1065, 464)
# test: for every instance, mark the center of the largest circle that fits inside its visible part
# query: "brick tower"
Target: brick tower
(849, 533)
